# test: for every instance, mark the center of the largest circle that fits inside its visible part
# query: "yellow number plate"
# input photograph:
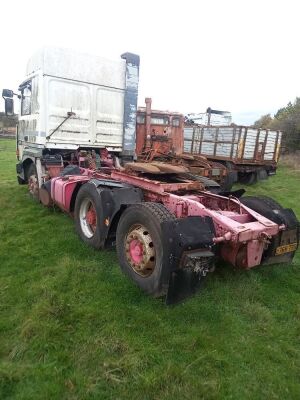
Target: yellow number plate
(287, 248)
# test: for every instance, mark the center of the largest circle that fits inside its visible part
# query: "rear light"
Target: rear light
(17, 153)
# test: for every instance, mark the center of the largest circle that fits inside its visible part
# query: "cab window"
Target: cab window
(159, 120)
(176, 121)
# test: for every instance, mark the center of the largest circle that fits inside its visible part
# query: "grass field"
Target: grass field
(73, 327)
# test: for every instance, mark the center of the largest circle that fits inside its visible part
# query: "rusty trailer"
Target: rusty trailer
(253, 153)
(159, 136)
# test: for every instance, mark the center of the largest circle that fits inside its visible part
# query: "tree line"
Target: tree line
(287, 119)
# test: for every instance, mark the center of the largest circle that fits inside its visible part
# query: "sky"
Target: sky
(239, 56)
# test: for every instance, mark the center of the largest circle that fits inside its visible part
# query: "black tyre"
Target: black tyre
(231, 177)
(209, 184)
(33, 183)
(228, 182)
(139, 246)
(88, 215)
(262, 175)
(264, 206)
(247, 178)
(272, 210)
(20, 180)
(268, 201)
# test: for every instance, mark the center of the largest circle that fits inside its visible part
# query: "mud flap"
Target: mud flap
(184, 241)
(182, 284)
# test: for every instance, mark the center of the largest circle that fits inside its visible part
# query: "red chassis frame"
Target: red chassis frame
(241, 233)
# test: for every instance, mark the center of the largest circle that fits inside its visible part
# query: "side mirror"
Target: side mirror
(7, 93)
(9, 106)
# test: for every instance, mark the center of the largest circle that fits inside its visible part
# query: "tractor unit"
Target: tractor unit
(76, 145)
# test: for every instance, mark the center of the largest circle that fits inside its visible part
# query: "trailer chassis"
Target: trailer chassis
(195, 226)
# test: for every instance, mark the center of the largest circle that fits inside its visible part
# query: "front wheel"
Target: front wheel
(139, 246)
(20, 180)
(33, 182)
(88, 216)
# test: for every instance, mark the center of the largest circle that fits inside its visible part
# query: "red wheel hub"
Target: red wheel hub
(91, 217)
(136, 251)
(33, 186)
(140, 251)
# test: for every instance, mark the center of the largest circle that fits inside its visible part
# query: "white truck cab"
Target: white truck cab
(70, 102)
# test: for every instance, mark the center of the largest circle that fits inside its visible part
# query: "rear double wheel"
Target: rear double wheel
(139, 246)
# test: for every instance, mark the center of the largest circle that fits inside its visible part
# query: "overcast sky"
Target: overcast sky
(240, 56)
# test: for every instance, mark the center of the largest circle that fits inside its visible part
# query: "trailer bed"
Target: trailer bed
(238, 144)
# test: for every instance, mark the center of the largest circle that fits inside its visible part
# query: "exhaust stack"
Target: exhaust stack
(148, 102)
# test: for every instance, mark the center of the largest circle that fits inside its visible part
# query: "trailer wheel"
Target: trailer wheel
(262, 175)
(33, 183)
(231, 178)
(139, 246)
(247, 178)
(228, 182)
(87, 215)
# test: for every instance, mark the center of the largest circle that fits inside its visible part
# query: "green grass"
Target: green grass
(73, 327)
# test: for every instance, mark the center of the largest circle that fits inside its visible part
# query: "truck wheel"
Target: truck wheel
(247, 178)
(262, 175)
(265, 206)
(269, 201)
(33, 183)
(228, 182)
(20, 181)
(87, 215)
(272, 210)
(139, 246)
(231, 177)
